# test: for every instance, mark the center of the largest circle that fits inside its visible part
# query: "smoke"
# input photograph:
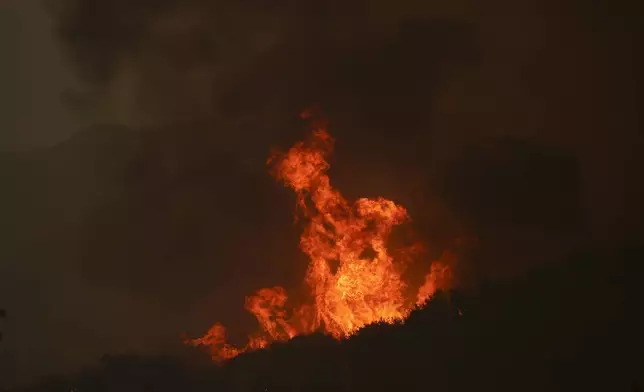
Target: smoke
(243, 70)
(212, 86)
(168, 209)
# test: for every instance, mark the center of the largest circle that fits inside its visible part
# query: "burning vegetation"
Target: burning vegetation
(352, 277)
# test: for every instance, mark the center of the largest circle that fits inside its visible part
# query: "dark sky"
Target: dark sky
(137, 203)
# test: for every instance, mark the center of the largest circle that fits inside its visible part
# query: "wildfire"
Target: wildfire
(353, 279)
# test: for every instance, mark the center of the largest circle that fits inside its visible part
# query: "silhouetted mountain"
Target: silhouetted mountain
(575, 326)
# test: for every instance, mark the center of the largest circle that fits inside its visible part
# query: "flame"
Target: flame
(353, 279)
(439, 276)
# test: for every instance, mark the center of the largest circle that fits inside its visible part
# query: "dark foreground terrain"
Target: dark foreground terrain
(574, 326)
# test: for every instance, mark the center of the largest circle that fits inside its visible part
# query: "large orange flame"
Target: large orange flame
(353, 279)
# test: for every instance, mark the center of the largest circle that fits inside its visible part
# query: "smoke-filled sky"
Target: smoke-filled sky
(136, 203)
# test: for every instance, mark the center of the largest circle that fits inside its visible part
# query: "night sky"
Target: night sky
(136, 203)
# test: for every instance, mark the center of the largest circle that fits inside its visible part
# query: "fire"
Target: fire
(353, 279)
(438, 277)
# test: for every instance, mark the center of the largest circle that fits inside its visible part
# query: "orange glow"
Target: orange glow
(353, 279)
(438, 277)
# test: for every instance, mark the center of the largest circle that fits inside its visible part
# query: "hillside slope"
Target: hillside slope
(571, 326)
